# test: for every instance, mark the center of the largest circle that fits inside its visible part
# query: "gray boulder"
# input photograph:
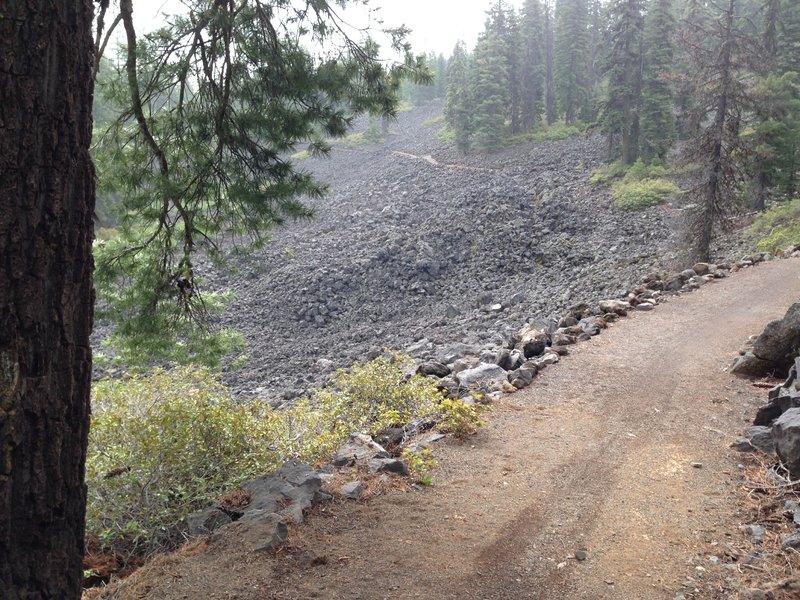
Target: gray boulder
(352, 490)
(775, 349)
(257, 531)
(530, 340)
(760, 438)
(780, 339)
(617, 307)
(508, 360)
(462, 364)
(433, 368)
(483, 374)
(359, 447)
(207, 521)
(522, 377)
(749, 365)
(786, 433)
(387, 465)
(288, 491)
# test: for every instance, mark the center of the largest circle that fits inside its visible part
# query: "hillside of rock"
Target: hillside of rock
(419, 248)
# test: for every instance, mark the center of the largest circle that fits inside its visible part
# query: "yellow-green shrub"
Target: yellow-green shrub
(633, 194)
(778, 228)
(461, 418)
(164, 445)
(420, 463)
(372, 396)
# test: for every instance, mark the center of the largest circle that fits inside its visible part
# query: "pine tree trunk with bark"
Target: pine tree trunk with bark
(46, 297)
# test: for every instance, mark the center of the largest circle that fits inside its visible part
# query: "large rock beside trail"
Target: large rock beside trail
(257, 531)
(288, 491)
(775, 348)
(483, 374)
(786, 433)
(360, 447)
(531, 341)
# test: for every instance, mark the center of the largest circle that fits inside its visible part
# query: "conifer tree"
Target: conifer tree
(458, 108)
(621, 110)
(532, 64)
(219, 98)
(571, 58)
(490, 89)
(721, 102)
(658, 131)
(550, 102)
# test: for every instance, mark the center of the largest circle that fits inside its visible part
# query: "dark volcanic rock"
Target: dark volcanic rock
(786, 433)
(775, 349)
(401, 249)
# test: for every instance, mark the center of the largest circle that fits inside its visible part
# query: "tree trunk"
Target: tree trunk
(712, 187)
(46, 297)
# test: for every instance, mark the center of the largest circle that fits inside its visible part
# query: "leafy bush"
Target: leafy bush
(557, 131)
(461, 418)
(640, 194)
(379, 394)
(605, 175)
(638, 171)
(164, 445)
(420, 463)
(779, 227)
(447, 135)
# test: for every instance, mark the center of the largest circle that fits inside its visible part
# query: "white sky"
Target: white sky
(436, 24)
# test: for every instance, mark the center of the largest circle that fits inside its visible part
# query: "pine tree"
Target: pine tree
(721, 101)
(532, 64)
(571, 58)
(495, 86)
(550, 102)
(788, 37)
(490, 91)
(658, 121)
(598, 24)
(218, 100)
(621, 110)
(458, 108)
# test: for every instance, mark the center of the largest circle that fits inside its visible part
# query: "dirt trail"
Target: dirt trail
(597, 455)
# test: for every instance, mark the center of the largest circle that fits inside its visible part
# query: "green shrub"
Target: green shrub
(778, 228)
(557, 131)
(640, 194)
(379, 394)
(420, 463)
(162, 446)
(447, 135)
(461, 418)
(605, 175)
(638, 171)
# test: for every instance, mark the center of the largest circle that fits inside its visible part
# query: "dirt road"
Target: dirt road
(620, 451)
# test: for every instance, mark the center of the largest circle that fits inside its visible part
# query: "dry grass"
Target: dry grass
(776, 572)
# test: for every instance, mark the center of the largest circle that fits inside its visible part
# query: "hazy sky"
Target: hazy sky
(437, 24)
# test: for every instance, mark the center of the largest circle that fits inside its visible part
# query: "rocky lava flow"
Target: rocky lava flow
(417, 247)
